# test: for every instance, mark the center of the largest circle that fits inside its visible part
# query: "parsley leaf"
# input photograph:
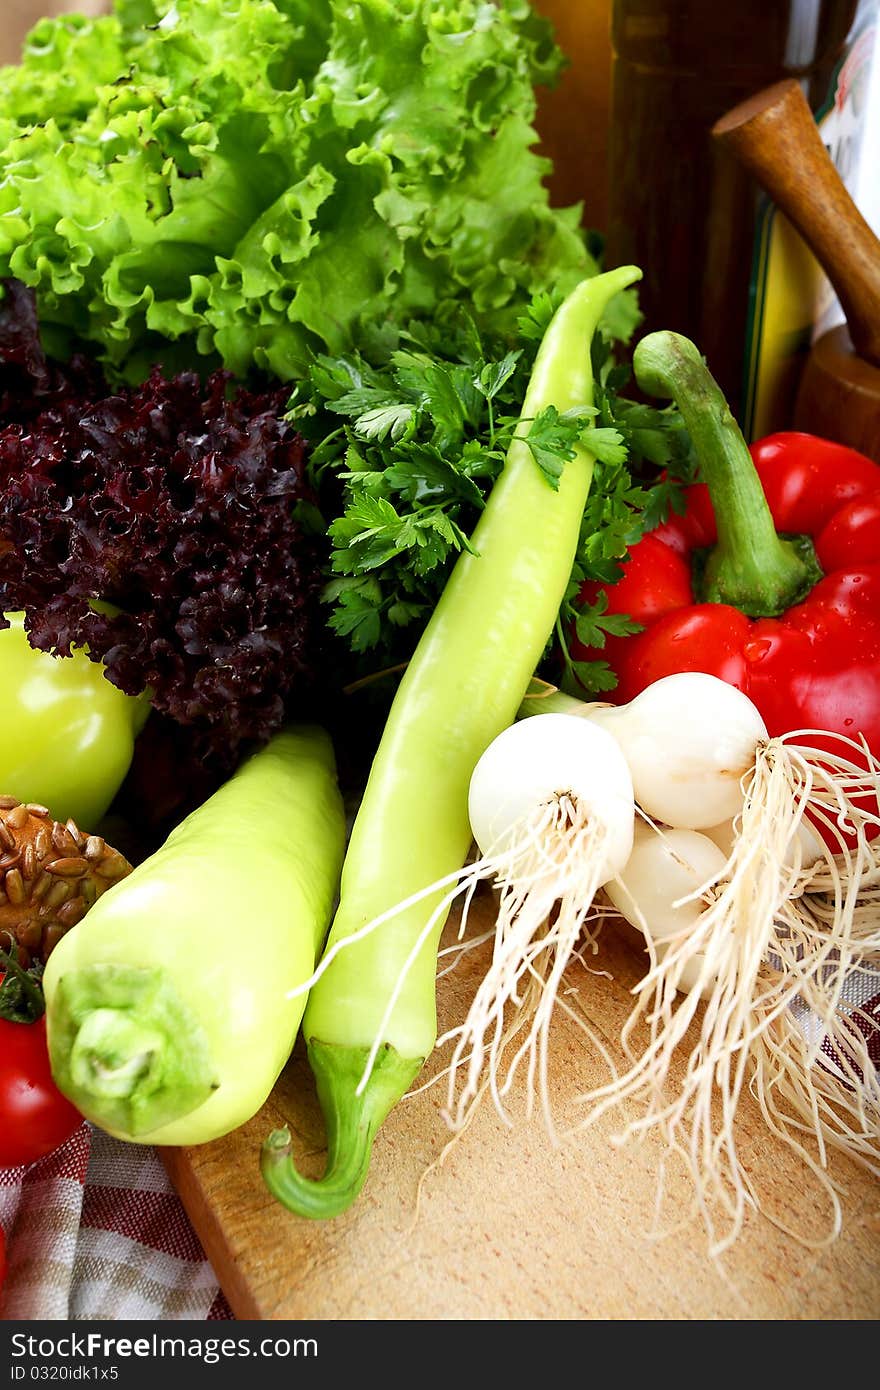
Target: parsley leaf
(592, 623)
(423, 437)
(493, 375)
(551, 438)
(391, 419)
(606, 445)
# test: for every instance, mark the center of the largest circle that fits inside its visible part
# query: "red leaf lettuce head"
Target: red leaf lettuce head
(176, 504)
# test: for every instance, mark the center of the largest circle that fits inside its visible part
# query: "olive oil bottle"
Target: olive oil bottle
(721, 265)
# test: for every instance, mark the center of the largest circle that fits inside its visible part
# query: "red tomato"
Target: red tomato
(35, 1118)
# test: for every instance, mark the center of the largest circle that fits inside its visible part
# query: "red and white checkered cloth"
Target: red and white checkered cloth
(96, 1232)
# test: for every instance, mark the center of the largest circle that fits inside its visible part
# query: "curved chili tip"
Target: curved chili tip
(351, 1120)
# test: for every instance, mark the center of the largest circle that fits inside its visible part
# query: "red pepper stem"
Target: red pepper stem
(751, 567)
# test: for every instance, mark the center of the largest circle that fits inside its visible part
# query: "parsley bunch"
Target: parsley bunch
(404, 455)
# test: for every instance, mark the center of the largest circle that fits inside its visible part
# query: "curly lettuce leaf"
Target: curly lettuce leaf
(63, 61)
(258, 182)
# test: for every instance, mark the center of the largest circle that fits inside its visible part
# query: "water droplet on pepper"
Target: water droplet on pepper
(756, 651)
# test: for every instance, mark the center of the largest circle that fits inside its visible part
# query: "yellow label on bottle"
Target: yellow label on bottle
(788, 284)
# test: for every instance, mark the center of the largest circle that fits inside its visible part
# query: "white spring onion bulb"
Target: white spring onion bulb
(538, 762)
(656, 887)
(659, 889)
(689, 740)
(552, 810)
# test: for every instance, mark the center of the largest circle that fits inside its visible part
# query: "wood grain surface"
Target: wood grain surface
(510, 1226)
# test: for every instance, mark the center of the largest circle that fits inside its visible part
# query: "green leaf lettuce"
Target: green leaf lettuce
(257, 182)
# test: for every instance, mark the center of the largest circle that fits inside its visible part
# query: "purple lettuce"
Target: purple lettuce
(158, 525)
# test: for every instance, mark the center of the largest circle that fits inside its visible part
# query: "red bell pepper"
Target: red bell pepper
(771, 577)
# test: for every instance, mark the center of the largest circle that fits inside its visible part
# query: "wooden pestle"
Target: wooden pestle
(774, 135)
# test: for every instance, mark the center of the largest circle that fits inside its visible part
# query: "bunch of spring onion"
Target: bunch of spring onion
(752, 868)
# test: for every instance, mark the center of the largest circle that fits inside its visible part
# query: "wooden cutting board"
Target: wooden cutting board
(511, 1227)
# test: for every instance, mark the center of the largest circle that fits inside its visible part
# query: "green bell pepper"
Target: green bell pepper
(66, 734)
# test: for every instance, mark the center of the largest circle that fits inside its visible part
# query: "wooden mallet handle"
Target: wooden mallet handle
(775, 136)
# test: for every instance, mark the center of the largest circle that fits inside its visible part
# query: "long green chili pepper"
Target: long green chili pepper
(462, 686)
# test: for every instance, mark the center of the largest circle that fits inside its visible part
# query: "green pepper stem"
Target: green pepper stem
(751, 567)
(352, 1117)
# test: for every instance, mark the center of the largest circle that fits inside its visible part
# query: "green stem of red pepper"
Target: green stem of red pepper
(750, 567)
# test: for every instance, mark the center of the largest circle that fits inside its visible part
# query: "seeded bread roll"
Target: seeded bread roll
(50, 874)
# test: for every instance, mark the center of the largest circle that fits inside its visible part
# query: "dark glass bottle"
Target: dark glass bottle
(678, 204)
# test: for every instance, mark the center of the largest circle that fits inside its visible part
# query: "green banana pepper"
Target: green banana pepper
(173, 1006)
(463, 685)
(66, 734)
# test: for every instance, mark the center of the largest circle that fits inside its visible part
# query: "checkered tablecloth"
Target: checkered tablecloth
(96, 1232)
